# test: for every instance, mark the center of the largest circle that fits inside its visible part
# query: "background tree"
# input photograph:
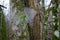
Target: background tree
(59, 16)
(3, 32)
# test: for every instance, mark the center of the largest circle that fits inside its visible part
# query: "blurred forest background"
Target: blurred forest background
(29, 19)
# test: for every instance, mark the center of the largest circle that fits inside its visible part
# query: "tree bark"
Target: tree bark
(59, 17)
(35, 30)
(49, 27)
(37, 25)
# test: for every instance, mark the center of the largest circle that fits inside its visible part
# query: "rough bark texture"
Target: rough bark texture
(37, 22)
(9, 25)
(36, 30)
(49, 27)
(9, 29)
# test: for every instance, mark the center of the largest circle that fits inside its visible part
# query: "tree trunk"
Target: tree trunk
(37, 25)
(49, 27)
(36, 28)
(34, 20)
(59, 17)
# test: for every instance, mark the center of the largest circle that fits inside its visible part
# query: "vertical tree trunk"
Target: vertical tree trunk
(59, 17)
(49, 27)
(33, 14)
(28, 5)
(36, 28)
(9, 29)
(8, 23)
(37, 25)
